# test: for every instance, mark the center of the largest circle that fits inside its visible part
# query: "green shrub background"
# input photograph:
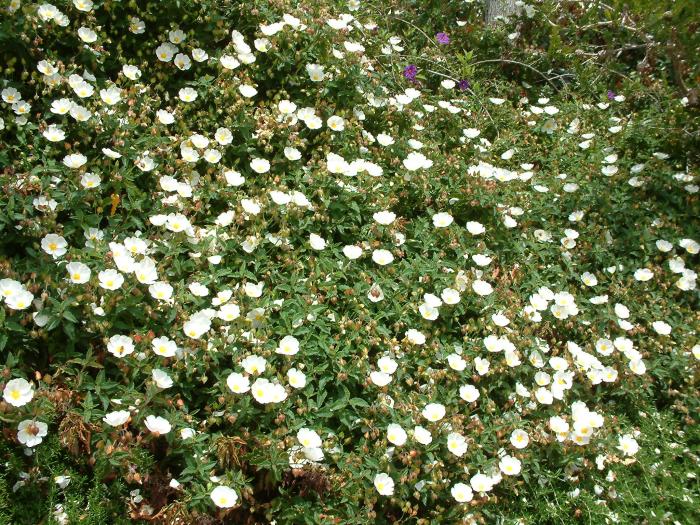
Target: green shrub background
(570, 52)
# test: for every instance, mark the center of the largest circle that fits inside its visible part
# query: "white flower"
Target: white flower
(228, 62)
(62, 481)
(396, 435)
(75, 160)
(165, 117)
(317, 242)
(422, 435)
(136, 25)
(263, 390)
(336, 123)
(384, 217)
(589, 279)
(116, 419)
(254, 290)
(457, 444)
(628, 445)
(415, 337)
(187, 94)
(224, 497)
(10, 288)
(289, 345)
(20, 300)
(161, 378)
(286, 107)
(434, 412)
(238, 383)
(247, 91)
(158, 425)
(661, 327)
(223, 136)
(18, 392)
(469, 393)
(309, 438)
(380, 378)
(387, 365)
(54, 133)
(519, 439)
(166, 51)
(475, 228)
(229, 312)
(260, 165)
(384, 484)
(664, 246)
(292, 153)
(499, 319)
(131, 72)
(90, 180)
(384, 139)
(375, 293)
(482, 287)
(31, 432)
(442, 220)
(120, 345)
(352, 252)
(83, 5)
(296, 378)
(450, 296)
(690, 245)
(234, 178)
(11, 95)
(111, 96)
(621, 311)
(481, 365)
(643, 274)
(509, 465)
(462, 493)
(382, 257)
(164, 347)
(110, 279)
(315, 72)
(456, 362)
(637, 366)
(254, 364)
(481, 483)
(415, 161)
(428, 311)
(198, 289)
(54, 245)
(78, 273)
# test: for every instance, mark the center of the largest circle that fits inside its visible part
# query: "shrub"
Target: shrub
(348, 263)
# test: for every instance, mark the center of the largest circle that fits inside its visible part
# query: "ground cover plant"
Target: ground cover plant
(348, 262)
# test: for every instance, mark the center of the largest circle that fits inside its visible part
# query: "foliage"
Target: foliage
(251, 251)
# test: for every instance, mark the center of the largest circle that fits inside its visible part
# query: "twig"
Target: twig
(415, 27)
(518, 63)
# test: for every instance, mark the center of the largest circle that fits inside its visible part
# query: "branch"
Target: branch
(548, 79)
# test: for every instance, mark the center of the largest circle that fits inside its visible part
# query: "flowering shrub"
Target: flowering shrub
(280, 263)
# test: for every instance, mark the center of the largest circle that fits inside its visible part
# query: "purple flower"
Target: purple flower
(410, 72)
(611, 94)
(464, 85)
(442, 38)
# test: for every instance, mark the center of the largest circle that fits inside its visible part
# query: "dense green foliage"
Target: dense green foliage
(358, 263)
